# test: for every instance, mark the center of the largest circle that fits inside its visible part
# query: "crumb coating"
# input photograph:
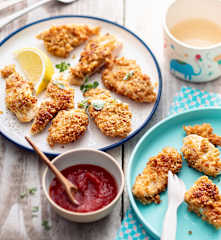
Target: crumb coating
(153, 180)
(95, 55)
(204, 199)
(125, 77)
(20, 97)
(62, 39)
(67, 126)
(114, 119)
(61, 97)
(204, 130)
(201, 155)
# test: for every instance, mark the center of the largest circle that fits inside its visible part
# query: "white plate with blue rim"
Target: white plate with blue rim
(133, 48)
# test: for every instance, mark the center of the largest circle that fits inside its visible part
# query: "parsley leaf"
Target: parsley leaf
(98, 104)
(32, 191)
(85, 87)
(84, 104)
(46, 225)
(128, 75)
(22, 195)
(63, 66)
(86, 79)
(95, 84)
(35, 209)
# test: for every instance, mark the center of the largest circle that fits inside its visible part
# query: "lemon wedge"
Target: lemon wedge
(37, 66)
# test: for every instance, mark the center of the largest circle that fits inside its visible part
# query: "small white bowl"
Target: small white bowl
(85, 156)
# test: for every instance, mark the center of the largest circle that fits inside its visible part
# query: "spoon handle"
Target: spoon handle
(57, 173)
(18, 14)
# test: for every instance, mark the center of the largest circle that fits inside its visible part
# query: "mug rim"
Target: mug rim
(166, 29)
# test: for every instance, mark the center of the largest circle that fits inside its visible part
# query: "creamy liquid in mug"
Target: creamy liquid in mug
(197, 32)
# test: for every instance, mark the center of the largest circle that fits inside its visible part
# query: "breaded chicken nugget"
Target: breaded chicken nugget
(20, 97)
(95, 55)
(204, 199)
(112, 117)
(60, 91)
(61, 97)
(153, 180)
(67, 126)
(62, 39)
(204, 130)
(201, 155)
(124, 77)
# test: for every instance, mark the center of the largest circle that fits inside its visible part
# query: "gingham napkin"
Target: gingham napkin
(186, 98)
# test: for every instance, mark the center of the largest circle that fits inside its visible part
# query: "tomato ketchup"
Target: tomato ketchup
(96, 188)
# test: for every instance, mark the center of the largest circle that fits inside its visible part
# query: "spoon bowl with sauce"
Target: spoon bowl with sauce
(69, 187)
(99, 180)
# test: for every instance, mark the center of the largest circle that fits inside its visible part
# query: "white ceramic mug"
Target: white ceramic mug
(187, 62)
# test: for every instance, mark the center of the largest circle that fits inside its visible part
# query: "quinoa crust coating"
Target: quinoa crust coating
(61, 97)
(114, 119)
(20, 97)
(204, 199)
(124, 77)
(204, 130)
(67, 126)
(153, 180)
(62, 39)
(201, 155)
(95, 55)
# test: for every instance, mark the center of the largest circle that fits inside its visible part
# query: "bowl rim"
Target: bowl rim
(120, 190)
(177, 41)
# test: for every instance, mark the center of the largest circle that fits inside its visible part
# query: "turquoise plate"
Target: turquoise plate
(169, 132)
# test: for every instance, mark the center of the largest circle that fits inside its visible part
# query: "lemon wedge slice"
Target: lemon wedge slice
(37, 66)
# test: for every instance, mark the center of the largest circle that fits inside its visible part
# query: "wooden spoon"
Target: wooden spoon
(70, 188)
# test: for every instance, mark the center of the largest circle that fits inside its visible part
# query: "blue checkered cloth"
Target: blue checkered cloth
(186, 98)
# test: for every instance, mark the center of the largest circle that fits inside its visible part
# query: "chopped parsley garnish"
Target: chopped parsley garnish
(32, 191)
(35, 209)
(46, 225)
(63, 66)
(22, 195)
(87, 86)
(86, 79)
(59, 84)
(84, 104)
(98, 104)
(128, 75)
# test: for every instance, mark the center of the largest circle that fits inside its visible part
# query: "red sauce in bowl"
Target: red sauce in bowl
(96, 188)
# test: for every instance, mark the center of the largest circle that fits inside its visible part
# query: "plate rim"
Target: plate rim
(128, 178)
(115, 24)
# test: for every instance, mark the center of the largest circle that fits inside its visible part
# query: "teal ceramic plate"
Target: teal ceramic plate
(169, 132)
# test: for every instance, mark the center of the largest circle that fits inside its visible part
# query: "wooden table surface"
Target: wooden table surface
(21, 170)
